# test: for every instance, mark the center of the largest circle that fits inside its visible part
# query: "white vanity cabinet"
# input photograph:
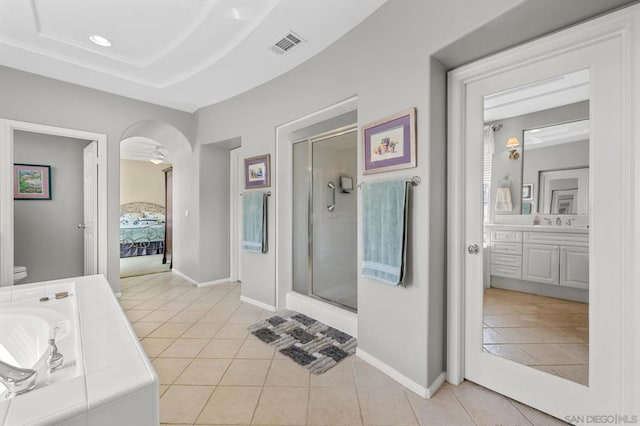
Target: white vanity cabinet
(541, 263)
(558, 258)
(574, 267)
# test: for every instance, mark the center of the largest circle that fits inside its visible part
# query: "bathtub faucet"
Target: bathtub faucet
(17, 380)
(54, 359)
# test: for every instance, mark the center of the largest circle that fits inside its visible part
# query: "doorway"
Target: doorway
(146, 208)
(95, 257)
(545, 324)
(49, 210)
(325, 218)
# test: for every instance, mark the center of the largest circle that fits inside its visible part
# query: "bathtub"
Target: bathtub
(106, 378)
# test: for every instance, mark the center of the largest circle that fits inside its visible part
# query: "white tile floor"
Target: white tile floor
(213, 372)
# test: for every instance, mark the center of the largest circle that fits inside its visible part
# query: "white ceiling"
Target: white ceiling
(184, 54)
(537, 96)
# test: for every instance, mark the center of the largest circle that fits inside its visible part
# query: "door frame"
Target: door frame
(622, 25)
(235, 217)
(7, 129)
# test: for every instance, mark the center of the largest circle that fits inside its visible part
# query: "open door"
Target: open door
(90, 156)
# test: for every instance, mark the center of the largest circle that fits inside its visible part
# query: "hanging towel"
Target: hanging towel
(254, 222)
(503, 200)
(384, 229)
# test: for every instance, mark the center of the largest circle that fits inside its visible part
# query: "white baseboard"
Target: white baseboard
(185, 276)
(214, 282)
(401, 378)
(324, 312)
(257, 303)
(118, 295)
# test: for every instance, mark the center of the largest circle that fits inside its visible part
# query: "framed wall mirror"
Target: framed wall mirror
(556, 159)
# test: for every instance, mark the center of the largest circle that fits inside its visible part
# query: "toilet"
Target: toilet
(19, 273)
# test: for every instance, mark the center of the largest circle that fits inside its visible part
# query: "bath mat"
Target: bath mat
(310, 343)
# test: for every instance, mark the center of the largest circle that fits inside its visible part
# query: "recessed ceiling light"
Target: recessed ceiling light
(99, 40)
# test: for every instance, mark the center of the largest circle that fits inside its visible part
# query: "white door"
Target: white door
(600, 47)
(89, 225)
(574, 267)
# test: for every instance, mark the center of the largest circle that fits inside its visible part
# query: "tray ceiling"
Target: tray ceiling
(167, 51)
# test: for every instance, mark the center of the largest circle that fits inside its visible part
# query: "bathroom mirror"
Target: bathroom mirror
(555, 165)
(536, 276)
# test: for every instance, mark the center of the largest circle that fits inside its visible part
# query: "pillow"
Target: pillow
(129, 218)
(157, 216)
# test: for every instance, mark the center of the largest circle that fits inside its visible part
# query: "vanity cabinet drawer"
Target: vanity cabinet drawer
(506, 236)
(506, 248)
(506, 271)
(506, 260)
(557, 238)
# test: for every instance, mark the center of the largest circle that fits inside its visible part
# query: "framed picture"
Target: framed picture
(31, 182)
(257, 171)
(390, 143)
(527, 191)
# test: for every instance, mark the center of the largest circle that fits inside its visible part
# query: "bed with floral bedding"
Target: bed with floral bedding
(142, 227)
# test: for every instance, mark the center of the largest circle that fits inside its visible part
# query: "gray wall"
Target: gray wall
(386, 62)
(47, 239)
(502, 165)
(32, 98)
(214, 232)
(556, 157)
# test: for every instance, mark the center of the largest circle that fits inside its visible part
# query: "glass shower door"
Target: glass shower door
(334, 225)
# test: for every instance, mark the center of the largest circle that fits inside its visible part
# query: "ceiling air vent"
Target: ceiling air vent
(287, 43)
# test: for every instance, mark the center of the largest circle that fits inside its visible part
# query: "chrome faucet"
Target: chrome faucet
(54, 359)
(17, 380)
(547, 221)
(569, 221)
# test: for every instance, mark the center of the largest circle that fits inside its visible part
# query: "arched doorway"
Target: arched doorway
(152, 160)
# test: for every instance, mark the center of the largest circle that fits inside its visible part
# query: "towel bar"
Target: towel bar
(415, 181)
(268, 193)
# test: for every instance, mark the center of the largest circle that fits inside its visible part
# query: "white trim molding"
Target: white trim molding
(327, 313)
(214, 282)
(258, 303)
(609, 46)
(185, 276)
(401, 378)
(7, 129)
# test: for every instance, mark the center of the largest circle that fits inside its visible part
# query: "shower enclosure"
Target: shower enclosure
(324, 217)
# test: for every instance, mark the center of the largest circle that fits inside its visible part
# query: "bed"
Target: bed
(142, 228)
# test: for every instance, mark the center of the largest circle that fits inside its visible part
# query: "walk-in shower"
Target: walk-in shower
(325, 217)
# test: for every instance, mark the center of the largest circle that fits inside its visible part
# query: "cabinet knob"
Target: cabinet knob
(473, 249)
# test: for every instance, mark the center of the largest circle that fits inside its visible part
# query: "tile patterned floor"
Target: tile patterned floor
(542, 332)
(213, 372)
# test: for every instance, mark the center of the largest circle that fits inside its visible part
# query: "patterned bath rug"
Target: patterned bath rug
(310, 343)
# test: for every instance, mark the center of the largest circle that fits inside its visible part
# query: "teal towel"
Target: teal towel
(254, 222)
(384, 229)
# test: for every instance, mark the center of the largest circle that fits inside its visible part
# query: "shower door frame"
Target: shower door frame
(353, 128)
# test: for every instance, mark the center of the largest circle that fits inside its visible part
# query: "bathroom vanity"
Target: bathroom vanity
(106, 378)
(546, 260)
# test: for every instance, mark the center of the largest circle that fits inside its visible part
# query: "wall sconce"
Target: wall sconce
(512, 144)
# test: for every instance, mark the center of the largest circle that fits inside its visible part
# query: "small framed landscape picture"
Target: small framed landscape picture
(527, 191)
(31, 182)
(390, 143)
(257, 171)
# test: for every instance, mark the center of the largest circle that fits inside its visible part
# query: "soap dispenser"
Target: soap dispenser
(536, 220)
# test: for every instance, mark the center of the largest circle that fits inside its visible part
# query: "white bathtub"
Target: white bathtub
(25, 327)
(106, 378)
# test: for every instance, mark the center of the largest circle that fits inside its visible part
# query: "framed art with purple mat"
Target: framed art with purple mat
(257, 171)
(390, 143)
